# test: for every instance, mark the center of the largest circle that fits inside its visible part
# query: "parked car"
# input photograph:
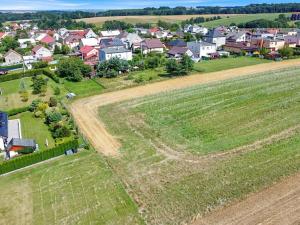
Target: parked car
(3, 71)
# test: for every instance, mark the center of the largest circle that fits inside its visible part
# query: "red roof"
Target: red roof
(2, 34)
(86, 49)
(80, 33)
(48, 39)
(47, 59)
(153, 30)
(36, 48)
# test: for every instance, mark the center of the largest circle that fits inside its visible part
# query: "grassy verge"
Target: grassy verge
(79, 189)
(163, 135)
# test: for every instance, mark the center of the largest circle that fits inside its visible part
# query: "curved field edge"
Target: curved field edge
(172, 190)
(78, 189)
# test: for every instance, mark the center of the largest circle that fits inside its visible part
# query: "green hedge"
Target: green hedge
(13, 112)
(29, 73)
(18, 66)
(39, 156)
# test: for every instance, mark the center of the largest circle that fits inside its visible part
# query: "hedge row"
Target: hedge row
(29, 73)
(18, 66)
(13, 112)
(39, 156)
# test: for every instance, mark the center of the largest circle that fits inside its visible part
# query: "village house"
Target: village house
(111, 43)
(89, 33)
(12, 58)
(117, 52)
(292, 39)
(152, 45)
(272, 44)
(109, 33)
(3, 35)
(131, 40)
(202, 49)
(25, 42)
(47, 40)
(89, 55)
(93, 42)
(176, 43)
(42, 53)
(177, 52)
(236, 36)
(72, 41)
(238, 47)
(215, 37)
(195, 29)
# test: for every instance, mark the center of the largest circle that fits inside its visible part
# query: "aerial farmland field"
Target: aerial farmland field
(188, 151)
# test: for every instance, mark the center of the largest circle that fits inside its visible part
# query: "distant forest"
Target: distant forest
(67, 15)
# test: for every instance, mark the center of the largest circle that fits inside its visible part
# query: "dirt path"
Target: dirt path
(85, 111)
(277, 205)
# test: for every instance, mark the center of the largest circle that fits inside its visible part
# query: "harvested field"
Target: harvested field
(148, 19)
(185, 153)
(85, 111)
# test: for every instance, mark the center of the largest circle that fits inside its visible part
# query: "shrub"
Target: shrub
(56, 91)
(13, 112)
(52, 102)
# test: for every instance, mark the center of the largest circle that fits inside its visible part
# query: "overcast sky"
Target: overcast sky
(119, 4)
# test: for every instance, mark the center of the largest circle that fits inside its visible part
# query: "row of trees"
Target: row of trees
(280, 22)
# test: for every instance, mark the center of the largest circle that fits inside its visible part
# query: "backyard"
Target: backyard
(35, 128)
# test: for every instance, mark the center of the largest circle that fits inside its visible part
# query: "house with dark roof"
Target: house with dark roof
(3, 130)
(178, 52)
(21, 145)
(176, 43)
(111, 43)
(116, 52)
(152, 45)
(215, 36)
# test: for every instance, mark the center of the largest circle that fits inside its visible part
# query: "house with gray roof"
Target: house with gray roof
(201, 49)
(116, 52)
(215, 36)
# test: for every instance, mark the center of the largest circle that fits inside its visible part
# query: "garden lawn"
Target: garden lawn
(11, 98)
(227, 63)
(84, 88)
(78, 189)
(34, 128)
(166, 138)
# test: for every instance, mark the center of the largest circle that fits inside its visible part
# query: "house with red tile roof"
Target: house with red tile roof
(42, 53)
(47, 40)
(2, 35)
(89, 55)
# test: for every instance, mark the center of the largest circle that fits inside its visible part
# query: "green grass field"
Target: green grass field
(167, 137)
(79, 189)
(34, 128)
(83, 88)
(11, 98)
(227, 63)
(237, 19)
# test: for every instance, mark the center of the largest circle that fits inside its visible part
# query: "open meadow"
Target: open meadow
(189, 151)
(78, 189)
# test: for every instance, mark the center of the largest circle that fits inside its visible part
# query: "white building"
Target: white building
(215, 37)
(41, 52)
(195, 29)
(93, 42)
(24, 42)
(117, 52)
(12, 58)
(202, 49)
(109, 33)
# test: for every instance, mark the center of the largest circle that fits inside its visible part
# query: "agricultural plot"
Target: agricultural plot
(148, 19)
(79, 189)
(188, 151)
(237, 19)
